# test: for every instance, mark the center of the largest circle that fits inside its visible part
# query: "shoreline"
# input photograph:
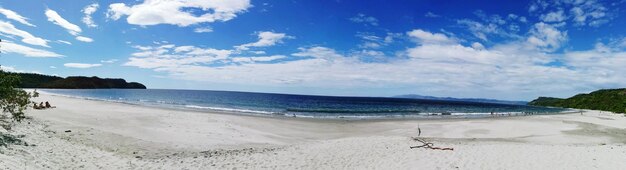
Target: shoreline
(478, 115)
(111, 135)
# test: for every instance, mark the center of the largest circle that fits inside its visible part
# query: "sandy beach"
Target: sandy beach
(107, 135)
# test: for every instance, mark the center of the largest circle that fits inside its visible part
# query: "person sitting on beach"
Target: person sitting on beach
(48, 105)
(35, 106)
(41, 106)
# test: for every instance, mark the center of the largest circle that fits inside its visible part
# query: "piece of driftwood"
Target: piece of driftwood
(428, 145)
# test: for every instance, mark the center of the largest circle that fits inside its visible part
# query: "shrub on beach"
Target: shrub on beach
(8, 139)
(12, 100)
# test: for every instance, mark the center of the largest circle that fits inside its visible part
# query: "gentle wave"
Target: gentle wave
(350, 111)
(228, 109)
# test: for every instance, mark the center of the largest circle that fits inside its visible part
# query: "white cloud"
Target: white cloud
(88, 10)
(546, 37)
(368, 37)
(491, 19)
(368, 55)
(582, 13)
(55, 18)
(391, 36)
(318, 53)
(169, 56)
(431, 15)
(424, 37)
(487, 27)
(81, 65)
(84, 39)
(362, 18)
(556, 16)
(479, 30)
(15, 16)
(597, 68)
(523, 19)
(178, 12)
(593, 14)
(257, 59)
(8, 28)
(478, 46)
(266, 39)
(10, 47)
(73, 29)
(64, 42)
(371, 41)
(203, 30)
(109, 61)
(53, 67)
(257, 52)
(370, 45)
(483, 30)
(514, 28)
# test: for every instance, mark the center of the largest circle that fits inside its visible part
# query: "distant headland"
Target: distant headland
(478, 100)
(32, 80)
(613, 100)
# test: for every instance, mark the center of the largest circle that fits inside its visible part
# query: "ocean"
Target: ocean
(329, 107)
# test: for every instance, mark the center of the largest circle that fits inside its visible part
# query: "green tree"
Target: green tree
(12, 100)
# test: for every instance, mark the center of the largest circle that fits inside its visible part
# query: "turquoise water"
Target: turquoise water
(301, 105)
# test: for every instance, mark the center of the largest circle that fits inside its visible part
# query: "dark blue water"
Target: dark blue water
(302, 105)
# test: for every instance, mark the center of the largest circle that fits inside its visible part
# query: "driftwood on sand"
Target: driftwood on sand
(426, 144)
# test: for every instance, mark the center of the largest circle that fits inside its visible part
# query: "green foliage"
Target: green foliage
(546, 101)
(80, 82)
(613, 100)
(31, 80)
(12, 100)
(8, 139)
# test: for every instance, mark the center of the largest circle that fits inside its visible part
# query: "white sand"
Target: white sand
(120, 136)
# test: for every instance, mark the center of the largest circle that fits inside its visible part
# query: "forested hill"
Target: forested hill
(31, 80)
(613, 100)
(478, 100)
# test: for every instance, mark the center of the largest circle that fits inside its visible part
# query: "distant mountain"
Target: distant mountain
(31, 80)
(613, 100)
(92, 83)
(478, 100)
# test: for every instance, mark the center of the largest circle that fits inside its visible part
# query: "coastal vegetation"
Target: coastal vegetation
(80, 82)
(32, 80)
(613, 100)
(12, 100)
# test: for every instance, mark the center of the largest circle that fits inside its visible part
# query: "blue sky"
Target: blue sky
(493, 49)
